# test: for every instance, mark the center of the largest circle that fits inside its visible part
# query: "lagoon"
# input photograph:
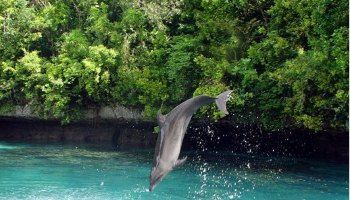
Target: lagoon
(100, 171)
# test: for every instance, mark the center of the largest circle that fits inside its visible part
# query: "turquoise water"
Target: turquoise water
(67, 171)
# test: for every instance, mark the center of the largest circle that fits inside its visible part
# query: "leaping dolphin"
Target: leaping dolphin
(172, 130)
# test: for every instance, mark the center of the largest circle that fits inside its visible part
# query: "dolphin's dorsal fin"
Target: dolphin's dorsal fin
(180, 162)
(158, 147)
(160, 118)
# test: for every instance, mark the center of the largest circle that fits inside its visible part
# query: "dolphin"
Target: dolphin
(173, 127)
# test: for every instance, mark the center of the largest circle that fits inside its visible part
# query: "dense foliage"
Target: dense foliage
(287, 61)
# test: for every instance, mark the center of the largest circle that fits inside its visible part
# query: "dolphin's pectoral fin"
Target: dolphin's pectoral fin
(180, 162)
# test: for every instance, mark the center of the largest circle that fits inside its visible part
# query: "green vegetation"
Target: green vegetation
(287, 61)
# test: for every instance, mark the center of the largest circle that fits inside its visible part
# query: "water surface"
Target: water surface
(80, 171)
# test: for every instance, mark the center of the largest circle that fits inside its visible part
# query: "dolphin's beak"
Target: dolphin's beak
(154, 180)
(151, 187)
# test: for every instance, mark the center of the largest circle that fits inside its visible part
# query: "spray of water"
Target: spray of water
(215, 173)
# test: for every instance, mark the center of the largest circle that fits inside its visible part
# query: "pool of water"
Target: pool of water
(80, 171)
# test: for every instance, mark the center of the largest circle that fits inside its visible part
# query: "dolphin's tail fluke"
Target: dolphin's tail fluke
(221, 100)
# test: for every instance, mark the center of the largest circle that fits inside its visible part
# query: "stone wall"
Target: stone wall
(106, 112)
